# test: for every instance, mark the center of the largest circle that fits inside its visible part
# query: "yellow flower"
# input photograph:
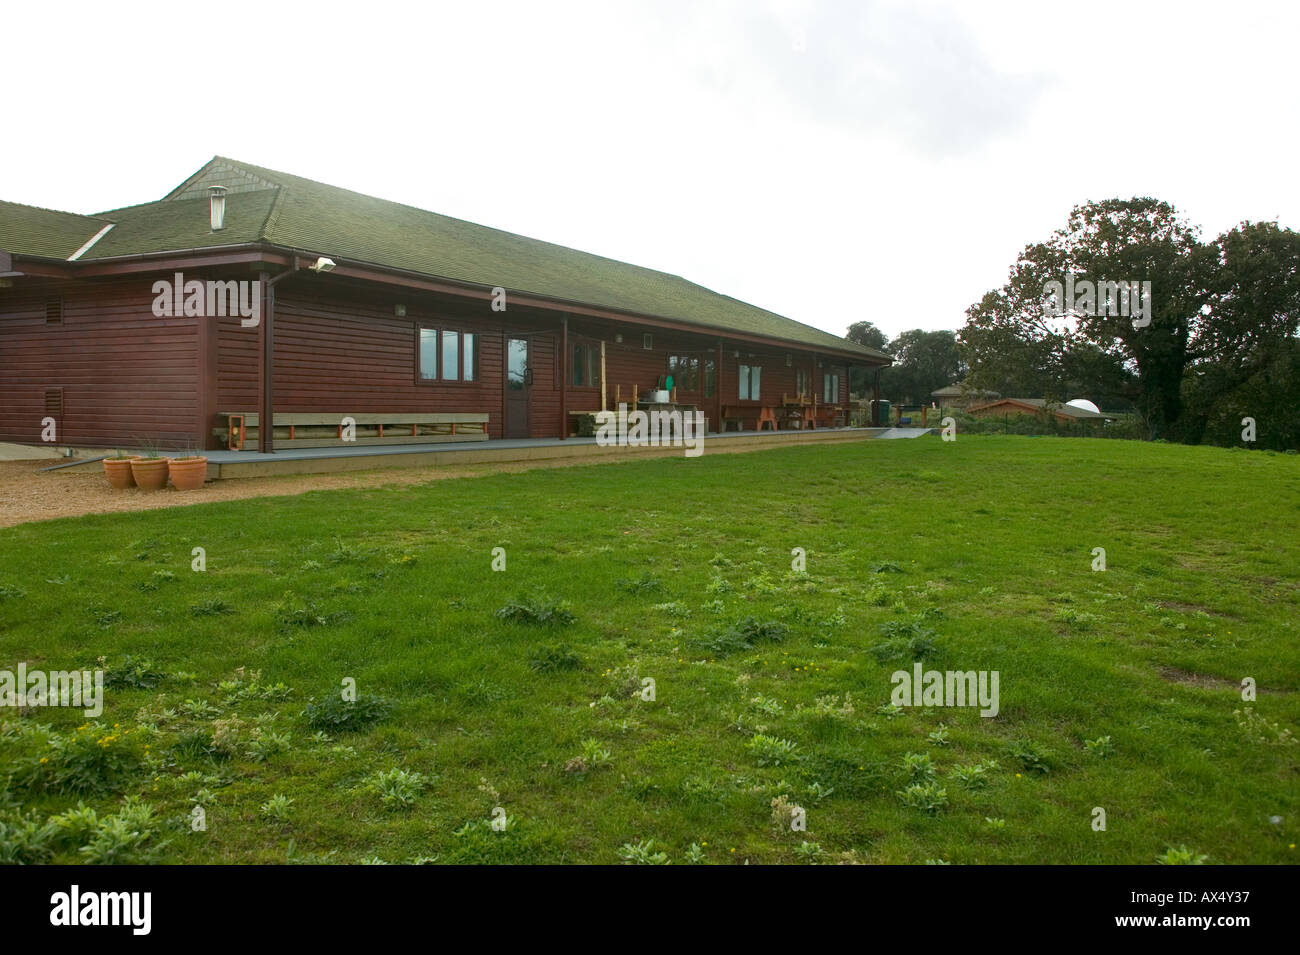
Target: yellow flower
(46, 759)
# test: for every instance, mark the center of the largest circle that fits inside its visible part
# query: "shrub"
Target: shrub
(538, 611)
(784, 814)
(673, 609)
(808, 852)
(974, 775)
(1031, 756)
(277, 808)
(123, 839)
(397, 788)
(645, 584)
(1259, 729)
(1101, 746)
(132, 672)
(25, 840)
(159, 578)
(771, 750)
(211, 608)
(337, 715)
(919, 767)
(546, 658)
(1180, 855)
(641, 853)
(262, 746)
(91, 759)
(74, 826)
(743, 635)
(290, 612)
(228, 737)
(905, 641)
(595, 755)
(928, 797)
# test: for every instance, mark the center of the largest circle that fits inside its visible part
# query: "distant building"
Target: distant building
(1035, 406)
(959, 395)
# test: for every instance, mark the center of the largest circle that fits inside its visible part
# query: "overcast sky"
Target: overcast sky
(830, 161)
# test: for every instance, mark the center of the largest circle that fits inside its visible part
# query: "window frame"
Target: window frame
(591, 364)
(438, 330)
(827, 378)
(745, 375)
(686, 367)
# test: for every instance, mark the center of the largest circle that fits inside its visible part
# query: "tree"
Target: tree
(866, 333)
(1216, 315)
(923, 362)
(1244, 353)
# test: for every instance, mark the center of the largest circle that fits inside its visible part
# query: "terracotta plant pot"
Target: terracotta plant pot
(150, 473)
(188, 474)
(118, 471)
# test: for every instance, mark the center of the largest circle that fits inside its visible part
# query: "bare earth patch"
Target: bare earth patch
(1200, 680)
(28, 494)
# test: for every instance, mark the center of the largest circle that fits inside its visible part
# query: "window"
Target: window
(448, 354)
(831, 390)
(710, 377)
(749, 379)
(803, 382)
(586, 366)
(647, 341)
(685, 371)
(429, 353)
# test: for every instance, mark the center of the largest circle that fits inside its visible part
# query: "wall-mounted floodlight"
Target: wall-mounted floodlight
(322, 265)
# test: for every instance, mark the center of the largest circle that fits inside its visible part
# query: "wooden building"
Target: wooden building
(367, 308)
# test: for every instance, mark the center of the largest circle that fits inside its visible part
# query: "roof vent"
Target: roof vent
(217, 196)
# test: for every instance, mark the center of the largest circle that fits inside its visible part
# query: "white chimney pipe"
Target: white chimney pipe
(217, 195)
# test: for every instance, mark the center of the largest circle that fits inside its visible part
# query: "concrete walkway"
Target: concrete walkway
(244, 464)
(906, 432)
(28, 452)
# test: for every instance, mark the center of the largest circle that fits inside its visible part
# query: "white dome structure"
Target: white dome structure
(1084, 405)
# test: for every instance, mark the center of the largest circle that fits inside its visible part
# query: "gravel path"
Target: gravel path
(27, 494)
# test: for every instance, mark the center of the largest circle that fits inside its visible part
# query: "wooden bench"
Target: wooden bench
(621, 421)
(295, 430)
(830, 416)
(759, 414)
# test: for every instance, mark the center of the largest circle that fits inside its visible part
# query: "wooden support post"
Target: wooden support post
(875, 394)
(206, 382)
(603, 406)
(266, 414)
(717, 388)
(813, 383)
(564, 376)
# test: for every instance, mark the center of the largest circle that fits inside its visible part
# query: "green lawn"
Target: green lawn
(976, 555)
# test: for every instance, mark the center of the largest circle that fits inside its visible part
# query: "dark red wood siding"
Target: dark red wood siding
(127, 377)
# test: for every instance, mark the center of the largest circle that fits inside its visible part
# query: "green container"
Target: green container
(883, 407)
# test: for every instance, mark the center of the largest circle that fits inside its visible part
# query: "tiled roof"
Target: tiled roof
(279, 209)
